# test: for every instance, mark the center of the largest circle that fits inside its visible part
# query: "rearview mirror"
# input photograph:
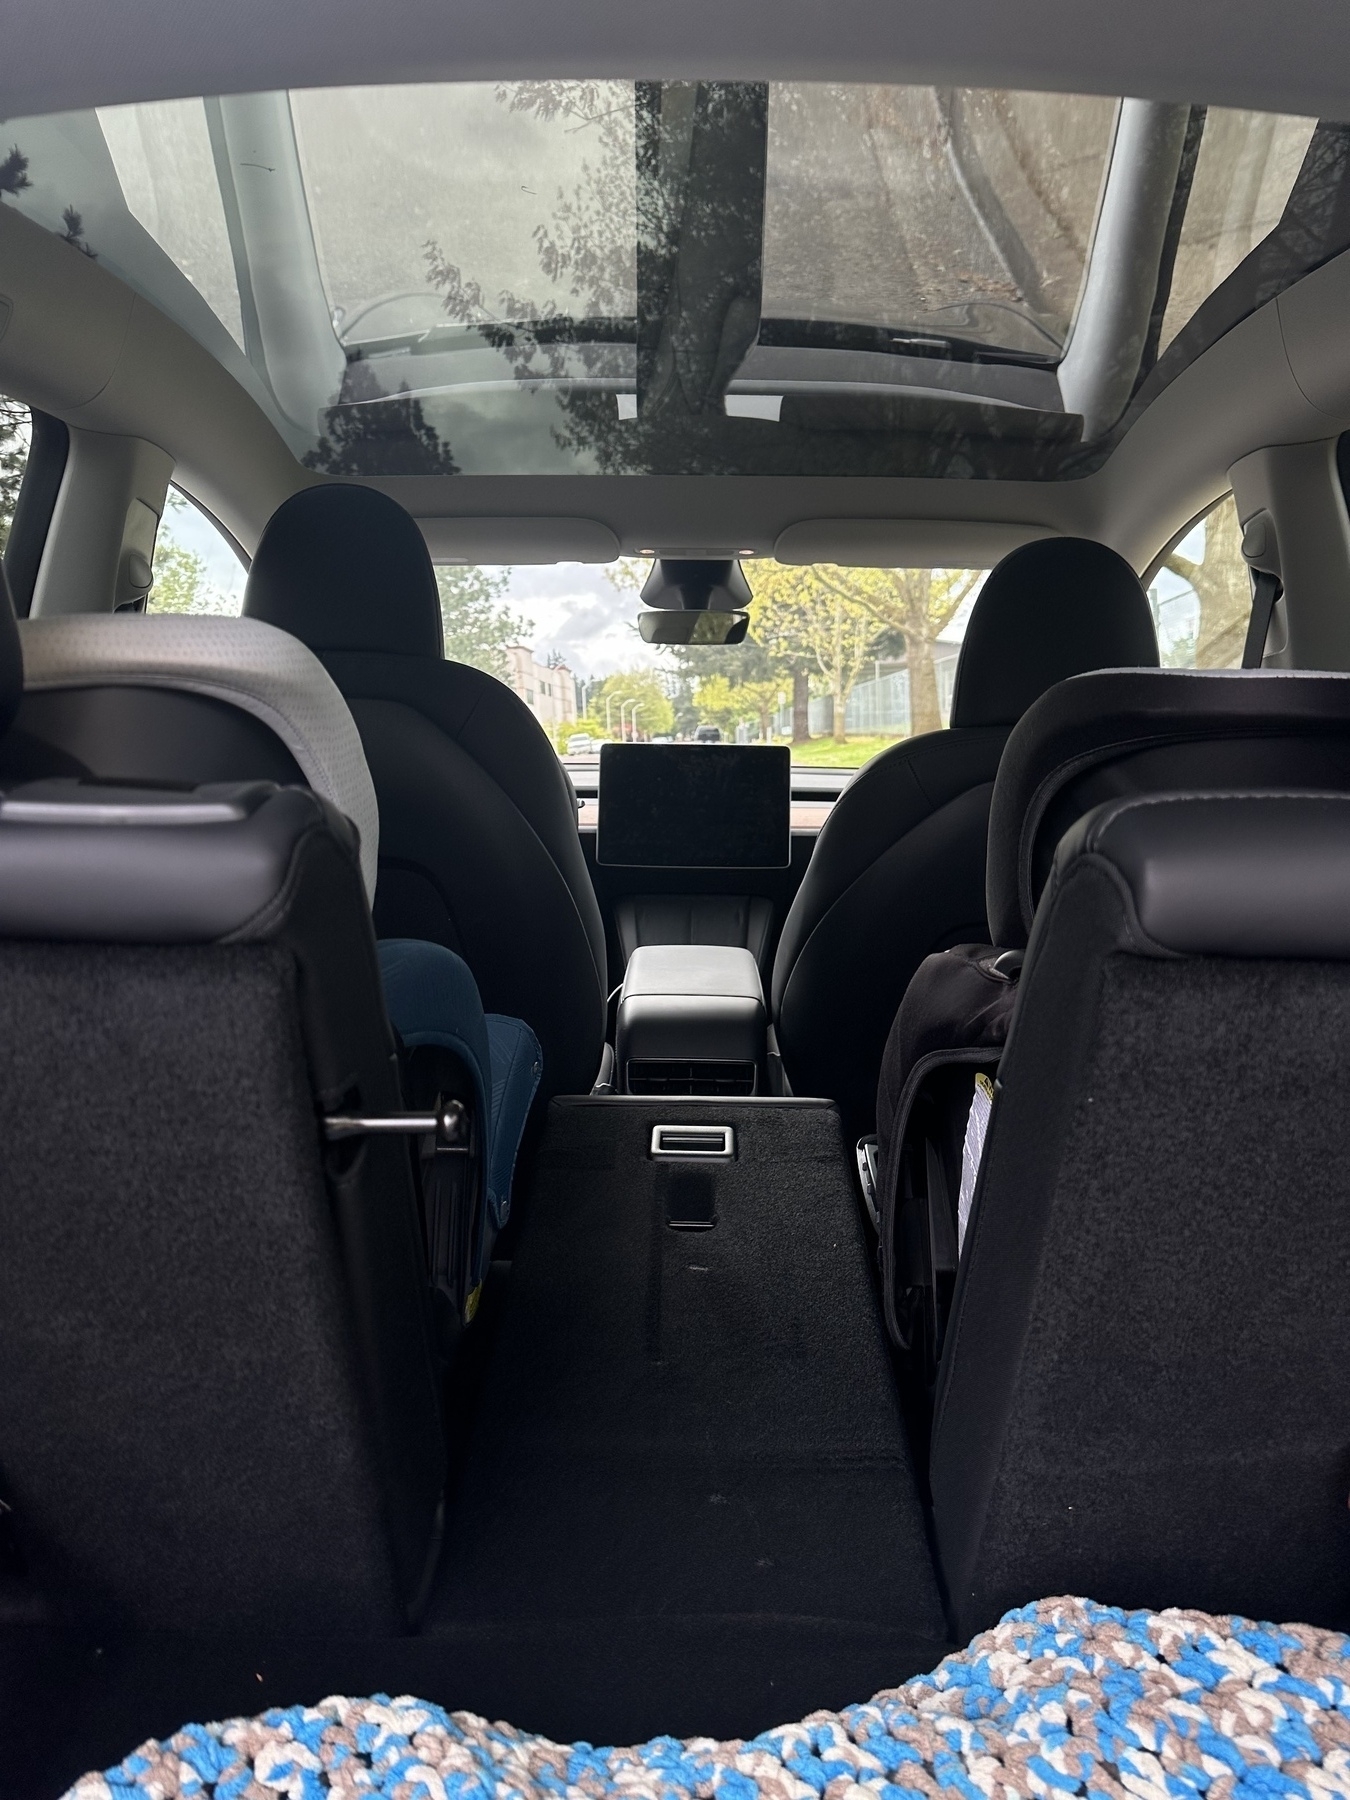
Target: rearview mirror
(693, 627)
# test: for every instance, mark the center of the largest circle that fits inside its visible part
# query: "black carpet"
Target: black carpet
(695, 1434)
(686, 1503)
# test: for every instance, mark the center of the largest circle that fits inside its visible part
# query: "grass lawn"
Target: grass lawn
(824, 753)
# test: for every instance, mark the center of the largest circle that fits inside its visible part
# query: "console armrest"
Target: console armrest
(691, 1020)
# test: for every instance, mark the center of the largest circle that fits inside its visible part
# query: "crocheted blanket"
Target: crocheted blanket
(1061, 1698)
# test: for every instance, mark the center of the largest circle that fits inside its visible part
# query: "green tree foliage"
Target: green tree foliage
(644, 687)
(477, 624)
(806, 622)
(181, 584)
(13, 457)
(916, 604)
(727, 704)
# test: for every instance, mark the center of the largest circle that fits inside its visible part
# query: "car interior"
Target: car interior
(646, 1211)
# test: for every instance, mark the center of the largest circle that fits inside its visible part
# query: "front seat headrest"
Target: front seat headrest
(343, 567)
(11, 657)
(1054, 608)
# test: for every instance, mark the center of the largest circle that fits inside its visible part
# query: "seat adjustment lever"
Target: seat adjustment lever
(448, 1123)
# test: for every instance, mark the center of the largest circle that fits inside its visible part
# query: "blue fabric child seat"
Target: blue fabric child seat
(432, 998)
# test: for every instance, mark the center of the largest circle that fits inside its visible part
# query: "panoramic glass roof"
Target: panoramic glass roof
(692, 277)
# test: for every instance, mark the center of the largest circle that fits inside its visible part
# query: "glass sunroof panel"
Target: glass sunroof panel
(928, 209)
(433, 205)
(161, 151)
(1244, 174)
(692, 277)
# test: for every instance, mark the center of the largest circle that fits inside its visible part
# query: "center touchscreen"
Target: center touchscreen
(695, 806)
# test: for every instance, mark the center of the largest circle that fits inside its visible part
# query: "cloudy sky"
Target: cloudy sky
(575, 609)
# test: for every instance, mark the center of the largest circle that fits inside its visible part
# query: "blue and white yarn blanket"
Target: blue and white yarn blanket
(1062, 1698)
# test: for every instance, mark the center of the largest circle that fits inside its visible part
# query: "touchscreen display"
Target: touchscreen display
(695, 806)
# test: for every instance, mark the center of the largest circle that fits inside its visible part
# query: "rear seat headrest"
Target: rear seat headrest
(1051, 609)
(11, 657)
(346, 568)
(1240, 875)
(94, 862)
(242, 662)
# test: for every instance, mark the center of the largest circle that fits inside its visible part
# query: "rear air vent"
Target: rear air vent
(648, 1076)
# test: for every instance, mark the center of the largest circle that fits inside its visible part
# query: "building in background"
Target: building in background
(548, 689)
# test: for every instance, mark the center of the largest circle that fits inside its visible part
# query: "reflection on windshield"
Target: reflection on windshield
(839, 662)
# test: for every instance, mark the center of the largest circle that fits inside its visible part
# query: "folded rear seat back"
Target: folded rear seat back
(1145, 1387)
(1088, 739)
(218, 1398)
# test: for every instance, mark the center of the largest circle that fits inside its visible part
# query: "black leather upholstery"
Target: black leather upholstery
(1243, 874)
(478, 830)
(898, 870)
(137, 866)
(1049, 610)
(1122, 732)
(744, 921)
(1145, 1389)
(339, 568)
(11, 657)
(218, 1396)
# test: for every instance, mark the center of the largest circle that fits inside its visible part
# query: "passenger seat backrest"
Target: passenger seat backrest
(898, 870)
(1103, 736)
(219, 1406)
(1145, 1387)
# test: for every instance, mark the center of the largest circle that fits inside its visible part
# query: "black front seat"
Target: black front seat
(899, 868)
(479, 847)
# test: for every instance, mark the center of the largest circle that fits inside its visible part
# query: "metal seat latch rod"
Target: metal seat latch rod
(448, 1123)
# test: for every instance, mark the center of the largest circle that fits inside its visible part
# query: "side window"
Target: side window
(1202, 594)
(196, 567)
(15, 437)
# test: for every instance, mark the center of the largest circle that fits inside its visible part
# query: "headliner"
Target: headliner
(1291, 56)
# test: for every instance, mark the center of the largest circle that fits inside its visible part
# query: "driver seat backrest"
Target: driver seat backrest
(479, 843)
(1145, 1386)
(898, 870)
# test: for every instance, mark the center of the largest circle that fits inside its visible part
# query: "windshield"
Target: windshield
(838, 663)
(697, 277)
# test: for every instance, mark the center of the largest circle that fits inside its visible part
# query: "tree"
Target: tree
(630, 688)
(806, 616)
(370, 432)
(181, 584)
(1222, 586)
(727, 704)
(14, 432)
(917, 603)
(476, 624)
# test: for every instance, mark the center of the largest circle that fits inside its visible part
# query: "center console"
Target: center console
(692, 1020)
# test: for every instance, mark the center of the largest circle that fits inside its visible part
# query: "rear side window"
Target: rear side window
(15, 437)
(196, 568)
(1202, 594)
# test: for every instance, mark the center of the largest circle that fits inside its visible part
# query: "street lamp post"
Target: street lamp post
(637, 708)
